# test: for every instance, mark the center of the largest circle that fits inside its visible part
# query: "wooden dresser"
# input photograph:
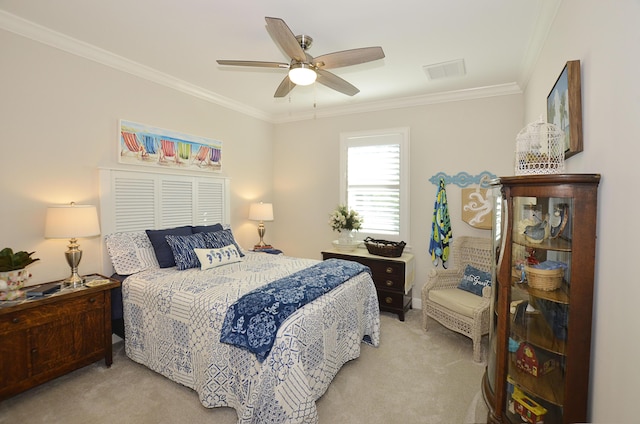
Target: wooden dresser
(393, 277)
(45, 338)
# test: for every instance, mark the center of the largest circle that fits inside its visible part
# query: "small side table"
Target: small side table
(44, 338)
(393, 277)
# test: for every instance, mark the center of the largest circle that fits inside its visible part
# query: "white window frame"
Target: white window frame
(360, 138)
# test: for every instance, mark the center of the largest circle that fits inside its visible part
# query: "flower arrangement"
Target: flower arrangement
(345, 219)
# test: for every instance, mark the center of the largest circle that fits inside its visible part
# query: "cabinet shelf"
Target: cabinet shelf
(560, 295)
(537, 332)
(558, 244)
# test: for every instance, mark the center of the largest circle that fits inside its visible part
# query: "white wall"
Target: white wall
(60, 118)
(604, 36)
(472, 136)
(59, 124)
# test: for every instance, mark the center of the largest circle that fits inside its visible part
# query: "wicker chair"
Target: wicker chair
(456, 309)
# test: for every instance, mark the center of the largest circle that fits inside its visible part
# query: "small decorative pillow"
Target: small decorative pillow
(211, 258)
(221, 239)
(183, 249)
(130, 252)
(164, 255)
(474, 280)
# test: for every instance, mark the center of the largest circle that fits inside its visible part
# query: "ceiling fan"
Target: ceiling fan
(305, 69)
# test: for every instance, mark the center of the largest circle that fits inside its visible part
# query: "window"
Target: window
(374, 180)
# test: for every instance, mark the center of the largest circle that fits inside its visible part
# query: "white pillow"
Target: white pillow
(130, 252)
(211, 258)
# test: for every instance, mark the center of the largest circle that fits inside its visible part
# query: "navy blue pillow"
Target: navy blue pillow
(206, 228)
(474, 280)
(164, 254)
(183, 249)
(221, 239)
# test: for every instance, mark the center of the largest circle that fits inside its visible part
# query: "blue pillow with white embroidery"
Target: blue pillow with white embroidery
(220, 239)
(474, 280)
(183, 249)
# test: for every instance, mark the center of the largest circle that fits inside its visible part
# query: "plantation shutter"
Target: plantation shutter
(373, 185)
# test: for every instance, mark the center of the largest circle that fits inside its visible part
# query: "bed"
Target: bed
(174, 313)
(173, 320)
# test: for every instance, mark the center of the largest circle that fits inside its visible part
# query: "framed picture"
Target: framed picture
(564, 107)
(141, 144)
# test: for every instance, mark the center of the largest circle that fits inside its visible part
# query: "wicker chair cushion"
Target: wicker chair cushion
(457, 300)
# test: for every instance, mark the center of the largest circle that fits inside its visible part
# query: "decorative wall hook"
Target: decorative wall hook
(464, 179)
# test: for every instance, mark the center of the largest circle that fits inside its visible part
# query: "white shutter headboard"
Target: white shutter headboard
(141, 200)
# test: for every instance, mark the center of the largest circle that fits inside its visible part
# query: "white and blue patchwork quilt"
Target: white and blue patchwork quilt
(173, 323)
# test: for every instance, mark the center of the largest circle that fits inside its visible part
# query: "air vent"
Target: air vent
(454, 68)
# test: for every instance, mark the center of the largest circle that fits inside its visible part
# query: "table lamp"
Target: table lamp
(261, 212)
(72, 221)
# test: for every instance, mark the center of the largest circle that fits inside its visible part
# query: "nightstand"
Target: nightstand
(393, 277)
(47, 337)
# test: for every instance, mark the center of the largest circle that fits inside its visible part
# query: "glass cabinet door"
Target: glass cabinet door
(497, 228)
(539, 308)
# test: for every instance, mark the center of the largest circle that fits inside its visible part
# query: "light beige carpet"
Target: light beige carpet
(413, 377)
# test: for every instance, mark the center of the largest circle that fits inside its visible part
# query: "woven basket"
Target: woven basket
(544, 279)
(389, 249)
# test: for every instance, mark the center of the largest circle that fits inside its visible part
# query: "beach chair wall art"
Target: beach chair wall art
(144, 145)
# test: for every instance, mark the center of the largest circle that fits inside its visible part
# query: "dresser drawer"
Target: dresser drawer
(42, 314)
(388, 282)
(390, 299)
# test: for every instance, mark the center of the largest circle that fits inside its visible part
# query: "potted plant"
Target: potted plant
(13, 273)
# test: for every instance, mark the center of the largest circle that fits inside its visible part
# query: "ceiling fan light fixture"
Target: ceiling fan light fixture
(302, 74)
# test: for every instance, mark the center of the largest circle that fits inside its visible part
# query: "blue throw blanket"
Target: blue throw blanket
(253, 321)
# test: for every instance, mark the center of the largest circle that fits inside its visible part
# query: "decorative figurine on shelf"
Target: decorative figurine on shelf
(534, 362)
(536, 233)
(528, 409)
(531, 256)
(558, 220)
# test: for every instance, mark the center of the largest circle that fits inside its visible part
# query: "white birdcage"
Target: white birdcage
(540, 149)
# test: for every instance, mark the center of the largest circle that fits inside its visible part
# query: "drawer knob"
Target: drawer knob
(388, 299)
(389, 283)
(15, 320)
(389, 270)
(92, 299)
(34, 350)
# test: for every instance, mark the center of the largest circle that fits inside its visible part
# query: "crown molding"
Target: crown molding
(413, 101)
(39, 33)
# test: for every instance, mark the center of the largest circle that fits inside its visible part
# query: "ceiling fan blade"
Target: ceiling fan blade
(254, 63)
(284, 88)
(285, 39)
(349, 57)
(335, 82)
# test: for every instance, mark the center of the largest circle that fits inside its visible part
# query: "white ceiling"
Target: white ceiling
(177, 42)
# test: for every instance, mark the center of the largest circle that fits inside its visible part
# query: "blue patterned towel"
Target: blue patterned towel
(253, 321)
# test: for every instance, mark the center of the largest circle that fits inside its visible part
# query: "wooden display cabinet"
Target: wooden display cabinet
(540, 330)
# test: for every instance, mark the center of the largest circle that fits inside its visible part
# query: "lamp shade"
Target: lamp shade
(302, 74)
(261, 212)
(71, 221)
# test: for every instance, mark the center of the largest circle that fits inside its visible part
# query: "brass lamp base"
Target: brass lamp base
(261, 244)
(73, 256)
